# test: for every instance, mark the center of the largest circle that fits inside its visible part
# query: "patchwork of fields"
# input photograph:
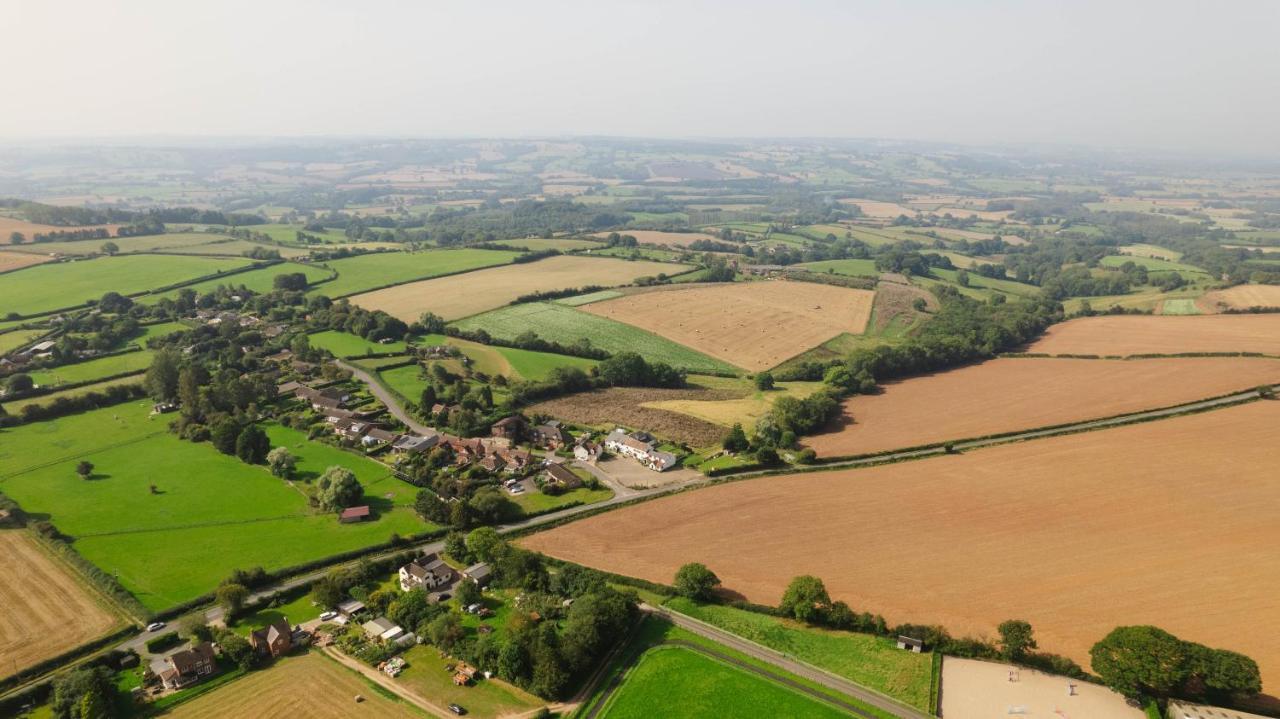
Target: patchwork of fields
(212, 513)
(1011, 531)
(566, 325)
(473, 293)
(363, 273)
(1135, 334)
(1006, 395)
(754, 325)
(47, 608)
(48, 287)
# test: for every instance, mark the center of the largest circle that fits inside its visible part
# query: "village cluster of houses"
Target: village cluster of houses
(188, 666)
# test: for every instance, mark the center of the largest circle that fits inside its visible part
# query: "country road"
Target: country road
(138, 642)
(386, 398)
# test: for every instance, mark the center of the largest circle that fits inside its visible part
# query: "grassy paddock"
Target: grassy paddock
(366, 272)
(345, 344)
(259, 280)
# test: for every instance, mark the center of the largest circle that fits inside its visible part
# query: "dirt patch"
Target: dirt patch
(1170, 523)
(672, 239)
(1240, 297)
(631, 473)
(47, 610)
(1006, 395)
(754, 325)
(471, 293)
(973, 689)
(895, 304)
(1130, 335)
(623, 406)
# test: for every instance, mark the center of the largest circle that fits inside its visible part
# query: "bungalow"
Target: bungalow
(562, 476)
(426, 572)
(480, 574)
(351, 429)
(40, 347)
(376, 436)
(382, 628)
(289, 387)
(337, 394)
(351, 515)
(272, 640)
(188, 666)
(586, 450)
(550, 435)
(512, 428)
(413, 444)
(332, 414)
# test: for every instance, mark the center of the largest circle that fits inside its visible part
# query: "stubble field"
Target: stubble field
(47, 610)
(1169, 523)
(475, 292)
(10, 261)
(754, 325)
(656, 237)
(1006, 395)
(1240, 297)
(1137, 334)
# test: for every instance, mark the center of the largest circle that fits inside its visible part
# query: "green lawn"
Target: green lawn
(159, 329)
(297, 611)
(852, 268)
(677, 682)
(533, 502)
(212, 514)
(10, 341)
(367, 272)
(259, 280)
(1184, 306)
(345, 344)
(566, 325)
(173, 241)
(289, 233)
(93, 369)
(486, 699)
(864, 658)
(52, 286)
(978, 281)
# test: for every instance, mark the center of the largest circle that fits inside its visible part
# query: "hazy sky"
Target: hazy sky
(1171, 73)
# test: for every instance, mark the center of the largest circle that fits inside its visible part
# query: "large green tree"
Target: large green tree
(1016, 639)
(695, 581)
(1141, 659)
(252, 445)
(339, 488)
(806, 599)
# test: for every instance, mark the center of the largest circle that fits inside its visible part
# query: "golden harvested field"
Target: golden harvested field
(9, 225)
(1139, 334)
(1240, 297)
(307, 687)
(655, 237)
(18, 260)
(1005, 395)
(471, 293)
(881, 210)
(754, 325)
(1169, 523)
(47, 610)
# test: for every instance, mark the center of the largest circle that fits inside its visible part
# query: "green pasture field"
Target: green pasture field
(1144, 298)
(978, 281)
(1152, 264)
(405, 381)
(850, 268)
(297, 611)
(376, 363)
(640, 218)
(345, 344)
(869, 660)
(289, 233)
(53, 286)
(159, 329)
(639, 253)
(381, 269)
(538, 365)
(10, 341)
(820, 232)
(48, 399)
(564, 244)
(174, 241)
(259, 280)
(588, 298)
(1145, 250)
(93, 369)
(567, 325)
(236, 247)
(486, 699)
(212, 513)
(532, 502)
(1183, 306)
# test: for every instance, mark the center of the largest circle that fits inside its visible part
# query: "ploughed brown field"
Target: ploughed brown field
(657, 237)
(44, 608)
(607, 408)
(1240, 297)
(754, 325)
(1171, 523)
(474, 292)
(1006, 395)
(1170, 334)
(309, 686)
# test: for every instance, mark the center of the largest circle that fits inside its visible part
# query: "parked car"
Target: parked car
(326, 616)
(155, 626)
(457, 709)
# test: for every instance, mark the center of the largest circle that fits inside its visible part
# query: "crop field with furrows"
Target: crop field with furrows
(1076, 534)
(475, 292)
(1240, 297)
(566, 325)
(1133, 334)
(754, 325)
(363, 273)
(10, 225)
(58, 285)
(1006, 395)
(48, 609)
